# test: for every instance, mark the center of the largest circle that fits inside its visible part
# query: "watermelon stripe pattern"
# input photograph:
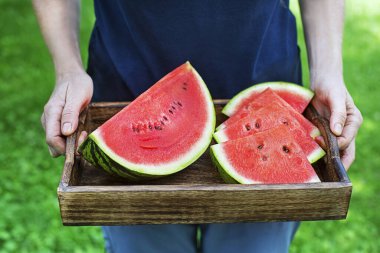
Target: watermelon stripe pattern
(96, 156)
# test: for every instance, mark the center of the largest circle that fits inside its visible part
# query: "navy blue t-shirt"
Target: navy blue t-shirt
(232, 44)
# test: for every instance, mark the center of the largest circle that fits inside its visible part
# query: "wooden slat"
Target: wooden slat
(202, 204)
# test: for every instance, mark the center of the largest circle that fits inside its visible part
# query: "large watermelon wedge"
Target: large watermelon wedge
(268, 157)
(161, 132)
(272, 115)
(295, 95)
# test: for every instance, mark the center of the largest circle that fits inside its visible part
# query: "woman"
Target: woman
(233, 44)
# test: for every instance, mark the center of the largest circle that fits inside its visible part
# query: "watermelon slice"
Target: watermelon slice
(273, 115)
(161, 132)
(263, 99)
(295, 95)
(268, 157)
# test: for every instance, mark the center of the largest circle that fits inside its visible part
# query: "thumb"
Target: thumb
(70, 114)
(338, 115)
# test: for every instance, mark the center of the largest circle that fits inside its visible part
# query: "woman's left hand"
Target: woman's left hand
(333, 101)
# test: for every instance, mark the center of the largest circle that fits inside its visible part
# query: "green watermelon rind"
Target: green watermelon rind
(230, 107)
(227, 174)
(315, 133)
(95, 155)
(136, 172)
(220, 127)
(316, 155)
(220, 137)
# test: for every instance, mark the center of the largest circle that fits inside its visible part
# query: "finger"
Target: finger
(53, 152)
(338, 114)
(70, 114)
(82, 137)
(348, 155)
(353, 123)
(54, 138)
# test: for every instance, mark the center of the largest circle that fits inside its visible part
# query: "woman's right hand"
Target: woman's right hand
(72, 93)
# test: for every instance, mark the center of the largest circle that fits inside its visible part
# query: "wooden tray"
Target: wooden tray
(89, 196)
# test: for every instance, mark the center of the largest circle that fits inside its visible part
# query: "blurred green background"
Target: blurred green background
(29, 212)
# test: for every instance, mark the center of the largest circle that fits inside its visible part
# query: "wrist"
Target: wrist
(326, 77)
(74, 76)
(69, 68)
(68, 61)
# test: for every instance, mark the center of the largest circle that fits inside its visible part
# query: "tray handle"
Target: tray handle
(330, 139)
(71, 146)
(69, 159)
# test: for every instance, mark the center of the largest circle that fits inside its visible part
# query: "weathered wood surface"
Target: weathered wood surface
(89, 196)
(95, 205)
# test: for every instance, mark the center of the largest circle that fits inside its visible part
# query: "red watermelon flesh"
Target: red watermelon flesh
(268, 157)
(165, 129)
(295, 95)
(272, 115)
(266, 98)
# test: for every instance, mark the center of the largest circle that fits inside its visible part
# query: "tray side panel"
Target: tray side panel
(204, 205)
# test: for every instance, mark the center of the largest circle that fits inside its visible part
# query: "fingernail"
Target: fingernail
(66, 128)
(52, 153)
(338, 128)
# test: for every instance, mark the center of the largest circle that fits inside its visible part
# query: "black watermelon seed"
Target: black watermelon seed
(179, 103)
(165, 118)
(260, 146)
(162, 123)
(257, 125)
(285, 149)
(248, 127)
(173, 107)
(158, 127)
(171, 111)
(184, 88)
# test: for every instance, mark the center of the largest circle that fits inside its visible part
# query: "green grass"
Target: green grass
(29, 212)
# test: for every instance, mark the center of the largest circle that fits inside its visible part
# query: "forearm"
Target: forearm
(323, 22)
(59, 22)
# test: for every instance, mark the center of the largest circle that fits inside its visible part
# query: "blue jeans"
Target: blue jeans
(265, 237)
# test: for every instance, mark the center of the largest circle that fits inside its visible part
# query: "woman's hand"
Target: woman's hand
(333, 101)
(72, 93)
